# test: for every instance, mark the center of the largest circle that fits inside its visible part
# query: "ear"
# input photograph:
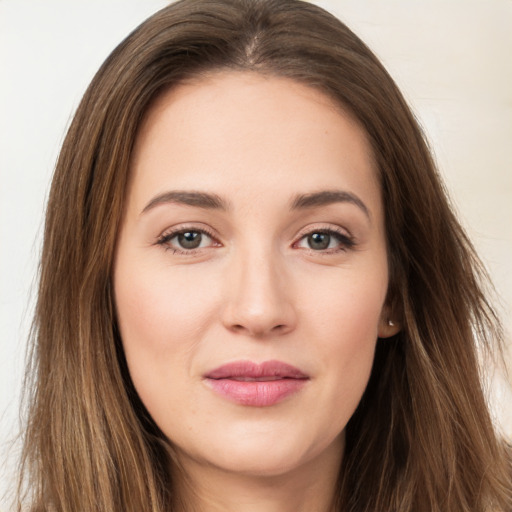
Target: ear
(388, 325)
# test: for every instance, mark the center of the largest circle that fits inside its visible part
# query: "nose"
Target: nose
(259, 297)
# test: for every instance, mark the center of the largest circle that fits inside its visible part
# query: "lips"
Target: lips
(257, 385)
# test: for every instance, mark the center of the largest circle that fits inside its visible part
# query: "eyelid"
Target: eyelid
(167, 235)
(347, 240)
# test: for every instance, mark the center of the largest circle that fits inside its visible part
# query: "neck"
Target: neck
(309, 488)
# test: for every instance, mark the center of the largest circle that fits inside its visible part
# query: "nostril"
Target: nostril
(258, 317)
(258, 330)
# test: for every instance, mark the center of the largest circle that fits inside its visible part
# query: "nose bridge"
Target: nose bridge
(259, 302)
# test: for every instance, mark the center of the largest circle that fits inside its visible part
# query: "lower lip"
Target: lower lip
(256, 393)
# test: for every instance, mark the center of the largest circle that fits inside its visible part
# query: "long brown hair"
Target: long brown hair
(421, 438)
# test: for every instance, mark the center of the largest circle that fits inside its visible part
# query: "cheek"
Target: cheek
(347, 308)
(345, 322)
(161, 316)
(156, 306)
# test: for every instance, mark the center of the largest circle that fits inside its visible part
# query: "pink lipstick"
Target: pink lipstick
(256, 385)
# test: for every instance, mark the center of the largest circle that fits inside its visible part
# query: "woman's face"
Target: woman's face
(251, 272)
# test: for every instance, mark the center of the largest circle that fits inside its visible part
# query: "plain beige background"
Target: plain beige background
(450, 57)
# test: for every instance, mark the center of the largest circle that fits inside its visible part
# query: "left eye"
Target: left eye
(323, 240)
(186, 240)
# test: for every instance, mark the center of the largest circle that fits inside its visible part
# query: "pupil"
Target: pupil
(189, 240)
(319, 240)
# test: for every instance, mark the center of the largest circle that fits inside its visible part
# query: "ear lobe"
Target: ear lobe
(387, 326)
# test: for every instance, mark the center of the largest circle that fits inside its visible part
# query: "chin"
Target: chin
(269, 456)
(256, 463)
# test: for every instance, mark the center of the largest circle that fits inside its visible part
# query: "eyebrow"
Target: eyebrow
(189, 198)
(210, 201)
(327, 197)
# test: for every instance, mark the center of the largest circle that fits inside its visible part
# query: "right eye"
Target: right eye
(325, 240)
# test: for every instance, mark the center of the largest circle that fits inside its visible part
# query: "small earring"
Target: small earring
(391, 323)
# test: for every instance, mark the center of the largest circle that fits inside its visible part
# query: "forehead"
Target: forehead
(235, 129)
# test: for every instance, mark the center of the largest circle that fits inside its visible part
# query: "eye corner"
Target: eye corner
(325, 240)
(187, 245)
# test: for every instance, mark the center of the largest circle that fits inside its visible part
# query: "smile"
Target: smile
(256, 385)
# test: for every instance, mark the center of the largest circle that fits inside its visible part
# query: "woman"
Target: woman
(254, 295)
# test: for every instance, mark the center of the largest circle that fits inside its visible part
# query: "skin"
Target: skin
(257, 288)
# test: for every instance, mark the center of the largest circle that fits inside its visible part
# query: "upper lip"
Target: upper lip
(252, 370)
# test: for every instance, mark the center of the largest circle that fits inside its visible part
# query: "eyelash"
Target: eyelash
(167, 237)
(346, 242)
